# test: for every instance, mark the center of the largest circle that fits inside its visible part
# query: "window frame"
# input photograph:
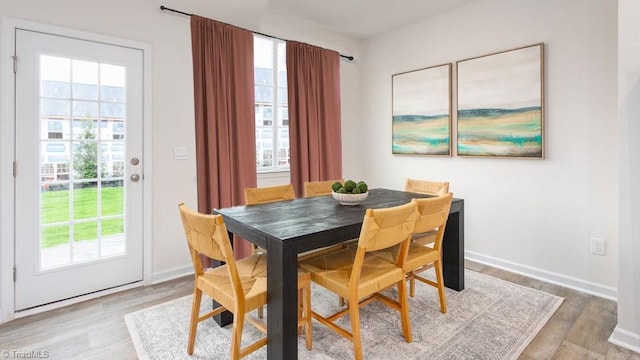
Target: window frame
(276, 108)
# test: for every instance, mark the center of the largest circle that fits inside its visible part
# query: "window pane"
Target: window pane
(56, 236)
(55, 89)
(283, 147)
(263, 76)
(263, 52)
(284, 116)
(85, 160)
(51, 108)
(282, 64)
(85, 109)
(267, 157)
(55, 68)
(282, 96)
(112, 75)
(264, 94)
(84, 129)
(85, 200)
(85, 79)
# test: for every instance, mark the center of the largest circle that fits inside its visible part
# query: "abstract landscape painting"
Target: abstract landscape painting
(500, 104)
(422, 111)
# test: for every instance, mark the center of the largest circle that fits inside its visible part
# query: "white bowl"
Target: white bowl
(349, 199)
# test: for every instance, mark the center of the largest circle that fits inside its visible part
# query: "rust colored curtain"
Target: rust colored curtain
(224, 116)
(313, 82)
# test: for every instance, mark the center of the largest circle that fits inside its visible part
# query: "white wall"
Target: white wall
(530, 216)
(172, 92)
(627, 332)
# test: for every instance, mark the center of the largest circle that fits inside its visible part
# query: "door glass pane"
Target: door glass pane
(54, 245)
(85, 160)
(85, 241)
(85, 200)
(112, 198)
(113, 237)
(85, 79)
(54, 199)
(82, 160)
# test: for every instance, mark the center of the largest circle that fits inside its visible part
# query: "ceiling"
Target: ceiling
(365, 18)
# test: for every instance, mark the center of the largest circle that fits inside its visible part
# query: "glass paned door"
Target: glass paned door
(78, 129)
(82, 118)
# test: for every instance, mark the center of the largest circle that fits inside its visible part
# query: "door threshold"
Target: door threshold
(76, 299)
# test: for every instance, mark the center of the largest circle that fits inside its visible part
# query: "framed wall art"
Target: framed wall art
(500, 99)
(421, 114)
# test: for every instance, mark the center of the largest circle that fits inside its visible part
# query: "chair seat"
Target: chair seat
(333, 272)
(253, 277)
(417, 257)
(425, 238)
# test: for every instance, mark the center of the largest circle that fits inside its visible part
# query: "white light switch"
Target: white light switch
(180, 153)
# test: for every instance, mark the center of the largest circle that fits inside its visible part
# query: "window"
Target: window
(118, 130)
(47, 172)
(118, 168)
(56, 147)
(271, 108)
(57, 158)
(63, 171)
(117, 151)
(104, 152)
(55, 130)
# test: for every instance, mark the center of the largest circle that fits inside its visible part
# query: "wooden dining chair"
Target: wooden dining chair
(426, 187)
(357, 275)
(433, 215)
(319, 188)
(239, 286)
(435, 188)
(269, 194)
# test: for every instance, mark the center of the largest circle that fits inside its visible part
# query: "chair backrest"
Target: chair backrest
(207, 235)
(269, 194)
(433, 214)
(426, 187)
(319, 188)
(384, 228)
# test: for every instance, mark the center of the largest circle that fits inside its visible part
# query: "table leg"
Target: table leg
(282, 298)
(453, 250)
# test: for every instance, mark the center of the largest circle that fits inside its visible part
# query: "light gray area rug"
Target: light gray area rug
(490, 319)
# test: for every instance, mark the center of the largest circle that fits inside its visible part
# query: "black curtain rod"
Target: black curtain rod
(162, 7)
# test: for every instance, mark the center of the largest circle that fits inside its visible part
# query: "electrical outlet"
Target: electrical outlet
(597, 246)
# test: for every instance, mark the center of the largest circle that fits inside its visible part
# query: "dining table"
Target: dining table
(291, 227)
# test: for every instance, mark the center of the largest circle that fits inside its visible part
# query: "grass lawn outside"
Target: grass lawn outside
(55, 206)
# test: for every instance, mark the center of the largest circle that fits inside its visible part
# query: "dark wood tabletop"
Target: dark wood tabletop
(287, 228)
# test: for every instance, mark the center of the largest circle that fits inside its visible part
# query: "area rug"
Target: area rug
(490, 319)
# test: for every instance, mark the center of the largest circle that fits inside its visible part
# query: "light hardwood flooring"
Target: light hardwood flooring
(95, 329)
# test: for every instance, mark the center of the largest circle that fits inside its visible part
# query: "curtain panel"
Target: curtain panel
(313, 82)
(223, 78)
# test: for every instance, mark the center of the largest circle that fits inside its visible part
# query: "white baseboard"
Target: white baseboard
(626, 339)
(547, 276)
(170, 274)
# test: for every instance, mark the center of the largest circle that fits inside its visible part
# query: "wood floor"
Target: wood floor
(95, 329)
